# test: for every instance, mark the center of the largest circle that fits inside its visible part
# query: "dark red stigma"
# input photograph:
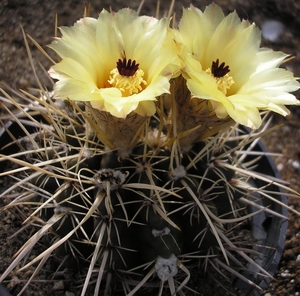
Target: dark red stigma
(127, 68)
(219, 70)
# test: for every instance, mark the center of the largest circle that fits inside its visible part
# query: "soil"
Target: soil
(38, 17)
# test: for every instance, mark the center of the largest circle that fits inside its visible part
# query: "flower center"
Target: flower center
(127, 68)
(219, 70)
(220, 74)
(127, 77)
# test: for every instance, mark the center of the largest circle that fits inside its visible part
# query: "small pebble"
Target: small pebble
(58, 286)
(271, 30)
(280, 167)
(296, 164)
(298, 258)
(286, 273)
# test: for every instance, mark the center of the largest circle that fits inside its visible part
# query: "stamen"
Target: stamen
(127, 77)
(219, 70)
(127, 68)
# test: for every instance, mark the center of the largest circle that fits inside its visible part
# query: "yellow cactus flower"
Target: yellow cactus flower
(119, 62)
(225, 65)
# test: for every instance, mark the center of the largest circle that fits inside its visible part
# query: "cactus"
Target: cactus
(135, 222)
(137, 204)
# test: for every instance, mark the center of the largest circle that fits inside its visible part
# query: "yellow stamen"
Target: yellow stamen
(127, 84)
(224, 83)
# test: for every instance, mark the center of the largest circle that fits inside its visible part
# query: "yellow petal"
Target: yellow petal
(69, 68)
(246, 116)
(108, 41)
(204, 86)
(77, 90)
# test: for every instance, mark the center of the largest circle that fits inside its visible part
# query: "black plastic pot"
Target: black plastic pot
(3, 291)
(268, 230)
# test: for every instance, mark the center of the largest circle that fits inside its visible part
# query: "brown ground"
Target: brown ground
(37, 17)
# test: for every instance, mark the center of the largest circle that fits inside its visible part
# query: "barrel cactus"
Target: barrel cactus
(136, 169)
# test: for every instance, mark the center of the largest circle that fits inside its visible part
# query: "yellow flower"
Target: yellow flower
(119, 62)
(225, 65)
